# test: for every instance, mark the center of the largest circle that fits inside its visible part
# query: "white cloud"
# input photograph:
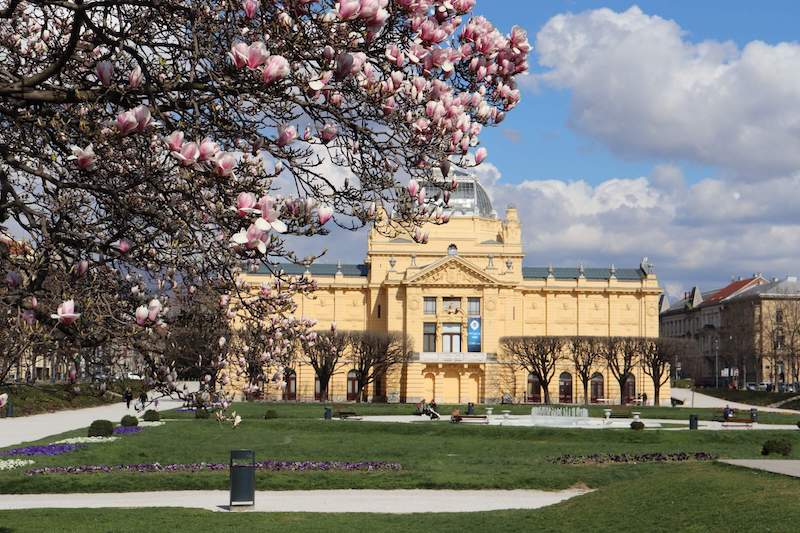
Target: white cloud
(642, 87)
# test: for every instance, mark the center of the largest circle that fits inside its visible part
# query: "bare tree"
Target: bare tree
(371, 354)
(324, 351)
(584, 353)
(621, 355)
(538, 355)
(657, 355)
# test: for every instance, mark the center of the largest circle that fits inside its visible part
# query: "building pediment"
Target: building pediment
(452, 271)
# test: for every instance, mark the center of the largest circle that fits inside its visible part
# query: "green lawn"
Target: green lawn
(439, 455)
(692, 497)
(256, 410)
(44, 398)
(749, 397)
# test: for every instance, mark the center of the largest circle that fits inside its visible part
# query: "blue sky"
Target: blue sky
(548, 148)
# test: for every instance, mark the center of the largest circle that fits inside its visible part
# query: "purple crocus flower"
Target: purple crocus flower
(47, 449)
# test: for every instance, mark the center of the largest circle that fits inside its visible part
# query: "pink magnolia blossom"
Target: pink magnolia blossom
(412, 187)
(324, 213)
(328, 133)
(207, 150)
(269, 216)
(154, 309)
(127, 122)
(421, 196)
(480, 155)
(348, 9)
(286, 135)
(135, 77)
(238, 54)
(256, 55)
(122, 245)
(143, 118)
(395, 55)
(276, 68)
(84, 157)
(174, 141)
(13, 280)
(224, 163)
(66, 313)
(141, 315)
(105, 72)
(252, 238)
(250, 8)
(3, 399)
(81, 267)
(188, 154)
(245, 203)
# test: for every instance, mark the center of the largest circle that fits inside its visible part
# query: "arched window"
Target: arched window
(597, 387)
(565, 388)
(534, 390)
(629, 391)
(352, 386)
(452, 250)
(290, 391)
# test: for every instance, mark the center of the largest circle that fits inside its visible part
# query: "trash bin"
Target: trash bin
(693, 421)
(328, 414)
(754, 415)
(243, 478)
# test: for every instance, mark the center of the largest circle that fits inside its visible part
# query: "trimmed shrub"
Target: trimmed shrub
(638, 426)
(201, 412)
(779, 446)
(151, 415)
(101, 428)
(270, 414)
(129, 421)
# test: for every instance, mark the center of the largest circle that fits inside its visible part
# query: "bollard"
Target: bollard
(693, 421)
(243, 479)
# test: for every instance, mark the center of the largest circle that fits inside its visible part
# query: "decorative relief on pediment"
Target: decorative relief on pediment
(453, 273)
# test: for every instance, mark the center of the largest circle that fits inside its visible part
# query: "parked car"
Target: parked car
(751, 387)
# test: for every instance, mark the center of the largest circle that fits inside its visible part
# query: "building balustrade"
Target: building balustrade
(453, 357)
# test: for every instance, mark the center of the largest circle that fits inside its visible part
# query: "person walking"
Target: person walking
(143, 398)
(128, 395)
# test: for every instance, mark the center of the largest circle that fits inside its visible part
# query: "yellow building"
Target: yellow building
(457, 295)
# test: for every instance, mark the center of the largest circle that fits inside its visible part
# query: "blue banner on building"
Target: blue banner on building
(474, 334)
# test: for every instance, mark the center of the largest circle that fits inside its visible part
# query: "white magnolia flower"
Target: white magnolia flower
(10, 464)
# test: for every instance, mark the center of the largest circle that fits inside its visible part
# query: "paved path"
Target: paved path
(20, 429)
(778, 466)
(308, 501)
(697, 399)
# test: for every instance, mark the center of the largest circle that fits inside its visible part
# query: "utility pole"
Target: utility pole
(716, 363)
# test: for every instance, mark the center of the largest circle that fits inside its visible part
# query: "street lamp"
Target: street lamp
(716, 363)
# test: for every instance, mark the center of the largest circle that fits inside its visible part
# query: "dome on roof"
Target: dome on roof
(469, 198)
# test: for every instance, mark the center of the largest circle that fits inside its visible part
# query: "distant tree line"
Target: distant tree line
(542, 355)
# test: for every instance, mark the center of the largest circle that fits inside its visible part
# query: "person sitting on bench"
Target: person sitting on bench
(727, 413)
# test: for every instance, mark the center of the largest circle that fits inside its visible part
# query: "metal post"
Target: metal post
(716, 365)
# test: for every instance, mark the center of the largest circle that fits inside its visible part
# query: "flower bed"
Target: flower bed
(47, 449)
(271, 466)
(10, 464)
(85, 440)
(124, 430)
(625, 458)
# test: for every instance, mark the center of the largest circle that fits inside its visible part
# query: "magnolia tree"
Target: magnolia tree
(176, 142)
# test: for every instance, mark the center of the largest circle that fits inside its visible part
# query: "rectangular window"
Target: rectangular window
(474, 307)
(430, 305)
(429, 337)
(451, 305)
(451, 337)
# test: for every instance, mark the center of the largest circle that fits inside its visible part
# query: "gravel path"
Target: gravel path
(21, 429)
(308, 501)
(697, 399)
(787, 467)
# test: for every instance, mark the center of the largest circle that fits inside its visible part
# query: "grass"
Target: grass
(47, 398)
(256, 410)
(665, 499)
(437, 455)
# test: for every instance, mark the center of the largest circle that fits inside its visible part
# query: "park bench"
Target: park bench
(621, 412)
(719, 416)
(341, 411)
(478, 419)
